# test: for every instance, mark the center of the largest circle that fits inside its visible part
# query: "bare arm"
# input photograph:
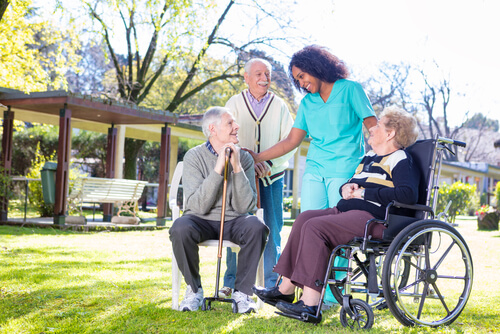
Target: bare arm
(369, 122)
(292, 141)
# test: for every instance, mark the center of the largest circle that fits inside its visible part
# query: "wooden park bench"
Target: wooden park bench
(123, 193)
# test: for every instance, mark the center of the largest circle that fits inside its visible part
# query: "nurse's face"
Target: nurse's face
(306, 80)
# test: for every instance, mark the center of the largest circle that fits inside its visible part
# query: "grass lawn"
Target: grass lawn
(54, 281)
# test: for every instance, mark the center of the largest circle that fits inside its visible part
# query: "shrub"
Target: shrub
(287, 203)
(461, 196)
(5, 185)
(497, 193)
(35, 188)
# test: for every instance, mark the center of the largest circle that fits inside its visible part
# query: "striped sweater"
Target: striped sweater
(384, 178)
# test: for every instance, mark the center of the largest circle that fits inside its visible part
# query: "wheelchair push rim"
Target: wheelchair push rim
(441, 275)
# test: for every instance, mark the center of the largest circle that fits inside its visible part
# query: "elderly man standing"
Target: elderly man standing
(265, 120)
(202, 183)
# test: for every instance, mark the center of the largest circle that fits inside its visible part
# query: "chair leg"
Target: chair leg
(260, 280)
(176, 284)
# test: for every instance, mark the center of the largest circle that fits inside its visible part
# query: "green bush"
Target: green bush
(287, 204)
(5, 185)
(460, 194)
(35, 188)
(497, 194)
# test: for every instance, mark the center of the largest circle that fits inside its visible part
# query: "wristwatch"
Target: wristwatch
(363, 193)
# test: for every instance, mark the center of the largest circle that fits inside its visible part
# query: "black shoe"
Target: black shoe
(272, 295)
(297, 309)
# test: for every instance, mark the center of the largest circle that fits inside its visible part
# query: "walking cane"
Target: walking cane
(207, 301)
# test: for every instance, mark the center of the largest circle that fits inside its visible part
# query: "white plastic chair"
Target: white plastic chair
(176, 273)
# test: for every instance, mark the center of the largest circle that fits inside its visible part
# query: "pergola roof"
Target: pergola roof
(84, 108)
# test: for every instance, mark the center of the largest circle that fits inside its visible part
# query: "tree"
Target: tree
(479, 121)
(90, 147)
(175, 32)
(3, 7)
(89, 77)
(27, 141)
(34, 56)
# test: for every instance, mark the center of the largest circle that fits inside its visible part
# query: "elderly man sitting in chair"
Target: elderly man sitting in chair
(202, 184)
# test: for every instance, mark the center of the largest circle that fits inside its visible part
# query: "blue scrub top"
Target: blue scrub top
(335, 127)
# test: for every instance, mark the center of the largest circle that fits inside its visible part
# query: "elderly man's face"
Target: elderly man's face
(258, 80)
(227, 131)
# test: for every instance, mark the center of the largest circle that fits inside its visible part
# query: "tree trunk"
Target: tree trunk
(132, 148)
(3, 7)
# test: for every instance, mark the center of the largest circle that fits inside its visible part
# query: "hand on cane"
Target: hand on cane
(234, 159)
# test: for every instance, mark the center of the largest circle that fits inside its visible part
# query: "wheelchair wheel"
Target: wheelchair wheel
(359, 285)
(440, 279)
(363, 315)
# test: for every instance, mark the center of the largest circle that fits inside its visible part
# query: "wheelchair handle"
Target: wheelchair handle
(451, 141)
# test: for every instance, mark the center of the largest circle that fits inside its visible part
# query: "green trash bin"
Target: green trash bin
(48, 174)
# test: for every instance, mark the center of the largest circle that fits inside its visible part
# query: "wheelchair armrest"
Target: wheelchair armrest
(416, 207)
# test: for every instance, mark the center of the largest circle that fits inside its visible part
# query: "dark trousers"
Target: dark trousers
(249, 232)
(315, 233)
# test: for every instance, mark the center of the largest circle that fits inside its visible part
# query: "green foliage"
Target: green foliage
(287, 203)
(497, 194)
(5, 185)
(26, 141)
(90, 147)
(35, 188)
(35, 196)
(184, 145)
(34, 54)
(460, 194)
(481, 122)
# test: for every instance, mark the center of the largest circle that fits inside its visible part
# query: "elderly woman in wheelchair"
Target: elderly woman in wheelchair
(386, 175)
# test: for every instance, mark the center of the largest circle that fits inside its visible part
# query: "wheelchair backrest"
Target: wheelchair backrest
(423, 154)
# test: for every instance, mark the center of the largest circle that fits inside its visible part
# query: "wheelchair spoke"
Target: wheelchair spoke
(434, 285)
(422, 300)
(414, 265)
(445, 254)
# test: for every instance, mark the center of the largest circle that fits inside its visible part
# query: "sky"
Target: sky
(461, 36)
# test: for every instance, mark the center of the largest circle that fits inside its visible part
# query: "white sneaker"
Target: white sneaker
(225, 292)
(245, 303)
(192, 301)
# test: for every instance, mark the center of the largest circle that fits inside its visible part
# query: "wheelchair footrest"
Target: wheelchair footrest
(305, 317)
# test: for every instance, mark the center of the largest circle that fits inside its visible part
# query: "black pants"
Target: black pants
(249, 232)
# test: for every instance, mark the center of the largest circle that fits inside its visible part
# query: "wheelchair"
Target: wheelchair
(421, 269)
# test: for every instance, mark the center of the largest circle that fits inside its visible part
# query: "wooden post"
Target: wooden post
(63, 159)
(107, 208)
(163, 182)
(6, 163)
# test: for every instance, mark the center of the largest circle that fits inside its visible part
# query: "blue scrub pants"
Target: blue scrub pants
(321, 193)
(271, 200)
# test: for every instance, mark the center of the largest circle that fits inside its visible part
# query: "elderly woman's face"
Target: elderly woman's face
(378, 134)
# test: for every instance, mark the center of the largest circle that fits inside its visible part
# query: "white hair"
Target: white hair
(212, 116)
(248, 65)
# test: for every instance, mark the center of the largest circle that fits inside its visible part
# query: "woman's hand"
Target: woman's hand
(254, 155)
(348, 190)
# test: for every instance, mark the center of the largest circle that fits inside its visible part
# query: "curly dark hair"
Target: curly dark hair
(319, 62)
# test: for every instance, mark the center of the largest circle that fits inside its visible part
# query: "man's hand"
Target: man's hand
(348, 190)
(262, 169)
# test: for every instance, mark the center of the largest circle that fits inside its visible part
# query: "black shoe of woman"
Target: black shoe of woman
(272, 295)
(296, 309)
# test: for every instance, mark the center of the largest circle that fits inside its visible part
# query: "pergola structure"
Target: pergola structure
(68, 110)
